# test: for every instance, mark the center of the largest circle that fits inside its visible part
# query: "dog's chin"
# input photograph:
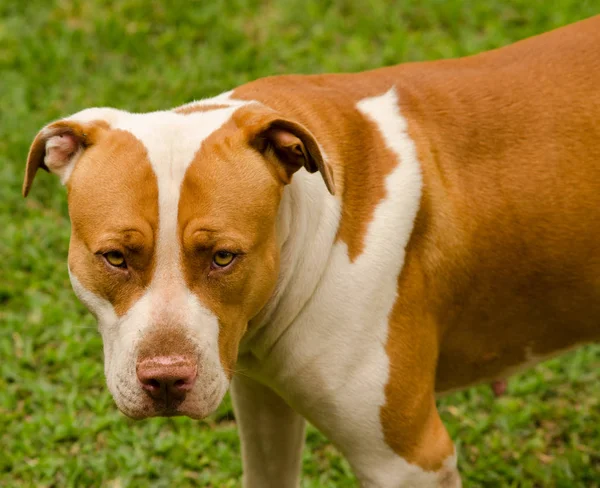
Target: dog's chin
(165, 413)
(136, 414)
(147, 408)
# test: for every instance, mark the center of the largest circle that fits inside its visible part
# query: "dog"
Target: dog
(450, 237)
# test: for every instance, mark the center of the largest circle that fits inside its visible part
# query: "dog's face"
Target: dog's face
(174, 246)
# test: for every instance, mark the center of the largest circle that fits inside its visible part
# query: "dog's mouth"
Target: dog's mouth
(166, 412)
(140, 405)
(143, 404)
(166, 408)
(156, 408)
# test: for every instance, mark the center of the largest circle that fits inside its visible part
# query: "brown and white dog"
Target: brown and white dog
(452, 236)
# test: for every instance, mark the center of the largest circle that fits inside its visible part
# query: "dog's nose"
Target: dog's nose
(167, 377)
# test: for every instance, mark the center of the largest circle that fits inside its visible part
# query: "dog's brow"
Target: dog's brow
(206, 230)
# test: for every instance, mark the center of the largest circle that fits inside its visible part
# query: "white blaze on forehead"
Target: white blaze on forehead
(171, 141)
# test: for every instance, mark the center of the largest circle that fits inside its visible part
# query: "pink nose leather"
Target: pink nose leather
(167, 377)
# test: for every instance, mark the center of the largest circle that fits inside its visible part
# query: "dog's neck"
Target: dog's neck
(307, 227)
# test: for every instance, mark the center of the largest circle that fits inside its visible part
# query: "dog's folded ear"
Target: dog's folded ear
(284, 142)
(56, 149)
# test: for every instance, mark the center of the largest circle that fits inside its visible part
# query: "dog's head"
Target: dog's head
(173, 245)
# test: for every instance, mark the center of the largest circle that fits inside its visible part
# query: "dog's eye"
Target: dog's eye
(116, 259)
(223, 258)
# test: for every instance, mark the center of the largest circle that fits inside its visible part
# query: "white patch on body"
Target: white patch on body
(171, 140)
(324, 347)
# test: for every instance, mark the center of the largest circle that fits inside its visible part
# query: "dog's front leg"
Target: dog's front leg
(272, 436)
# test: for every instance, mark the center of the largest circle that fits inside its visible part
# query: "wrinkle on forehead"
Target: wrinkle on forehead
(172, 141)
(228, 185)
(131, 178)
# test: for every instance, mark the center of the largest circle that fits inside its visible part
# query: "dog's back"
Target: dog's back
(510, 233)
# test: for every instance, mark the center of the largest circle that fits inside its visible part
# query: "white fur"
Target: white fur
(324, 346)
(272, 436)
(99, 306)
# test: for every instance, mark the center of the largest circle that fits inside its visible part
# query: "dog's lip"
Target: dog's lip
(154, 412)
(166, 408)
(159, 409)
(168, 412)
(162, 407)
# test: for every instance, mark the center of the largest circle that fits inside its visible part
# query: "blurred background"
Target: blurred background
(58, 424)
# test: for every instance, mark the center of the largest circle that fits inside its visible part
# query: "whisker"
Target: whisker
(240, 372)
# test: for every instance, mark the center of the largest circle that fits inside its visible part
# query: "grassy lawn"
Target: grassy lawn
(58, 425)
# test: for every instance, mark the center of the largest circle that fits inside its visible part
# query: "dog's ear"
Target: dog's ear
(287, 144)
(57, 147)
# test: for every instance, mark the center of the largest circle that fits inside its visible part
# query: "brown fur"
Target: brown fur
(167, 340)
(229, 206)
(121, 216)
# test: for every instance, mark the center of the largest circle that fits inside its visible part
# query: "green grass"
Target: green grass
(58, 425)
